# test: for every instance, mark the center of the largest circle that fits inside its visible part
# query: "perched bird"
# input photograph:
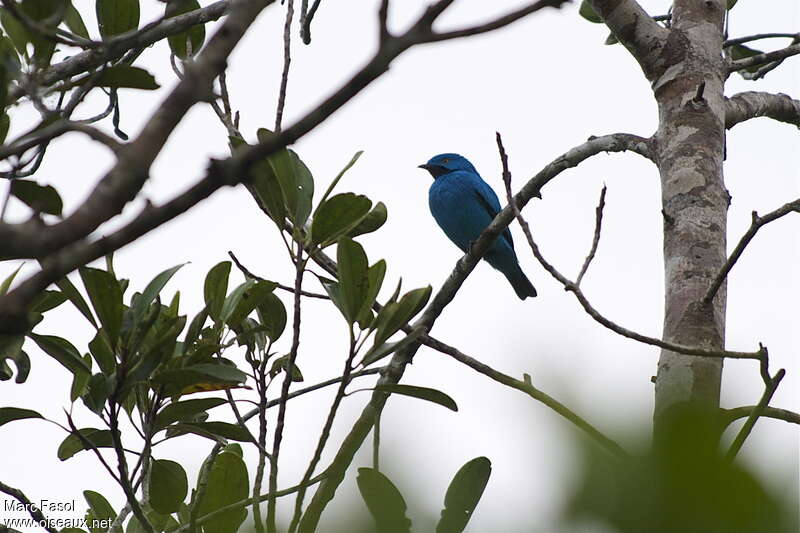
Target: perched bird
(463, 206)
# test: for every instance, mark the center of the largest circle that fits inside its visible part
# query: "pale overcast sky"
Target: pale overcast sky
(546, 83)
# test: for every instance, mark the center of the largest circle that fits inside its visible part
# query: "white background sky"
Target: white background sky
(546, 83)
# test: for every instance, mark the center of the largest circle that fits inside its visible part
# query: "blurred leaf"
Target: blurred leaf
(379, 351)
(48, 13)
(184, 410)
(215, 288)
(168, 486)
(611, 39)
(75, 297)
(730, 4)
(353, 277)
(264, 186)
(423, 393)
(6, 284)
(244, 299)
(40, 198)
(337, 216)
(9, 414)
(588, 13)
(212, 430)
(5, 121)
(195, 327)
(100, 438)
(15, 30)
(373, 221)
(384, 501)
(116, 16)
(192, 38)
(11, 350)
(96, 394)
(74, 21)
(463, 495)
(47, 300)
(272, 315)
(740, 51)
(177, 379)
(105, 294)
(62, 351)
(227, 483)
(120, 77)
(80, 381)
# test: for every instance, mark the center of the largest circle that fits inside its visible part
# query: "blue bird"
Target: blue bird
(463, 206)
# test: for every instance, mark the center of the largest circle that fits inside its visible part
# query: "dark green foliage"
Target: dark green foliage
(168, 486)
(187, 43)
(463, 495)
(384, 501)
(116, 16)
(40, 198)
(423, 393)
(227, 483)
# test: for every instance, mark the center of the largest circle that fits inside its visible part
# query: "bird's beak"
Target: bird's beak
(435, 170)
(426, 167)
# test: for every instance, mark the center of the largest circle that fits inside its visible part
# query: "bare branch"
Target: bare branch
(47, 134)
(286, 288)
(305, 22)
(755, 225)
(758, 37)
(769, 391)
(753, 104)
(762, 59)
(598, 224)
(527, 387)
(731, 415)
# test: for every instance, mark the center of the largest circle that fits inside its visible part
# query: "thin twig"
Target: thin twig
(769, 391)
(287, 61)
(287, 380)
(598, 223)
(527, 387)
(731, 415)
(755, 225)
(249, 274)
(758, 37)
(762, 59)
(305, 22)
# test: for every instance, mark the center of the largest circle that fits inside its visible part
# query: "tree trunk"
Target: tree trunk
(690, 150)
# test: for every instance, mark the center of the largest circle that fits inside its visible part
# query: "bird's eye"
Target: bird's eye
(445, 160)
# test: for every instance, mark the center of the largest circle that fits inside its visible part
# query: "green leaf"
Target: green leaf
(5, 121)
(9, 414)
(212, 430)
(281, 364)
(379, 351)
(152, 290)
(40, 198)
(337, 216)
(193, 38)
(272, 315)
(611, 39)
(227, 483)
(47, 300)
(48, 13)
(384, 501)
(105, 294)
(740, 51)
(121, 77)
(80, 381)
(184, 410)
(11, 350)
(74, 21)
(117, 16)
(15, 31)
(9, 280)
(62, 351)
(372, 222)
(96, 393)
(244, 299)
(463, 495)
(168, 486)
(264, 186)
(353, 277)
(730, 4)
(375, 274)
(178, 379)
(588, 13)
(395, 315)
(295, 180)
(99, 507)
(423, 393)
(339, 176)
(102, 354)
(215, 288)
(75, 297)
(100, 438)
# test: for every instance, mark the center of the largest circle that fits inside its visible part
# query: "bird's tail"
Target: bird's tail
(522, 285)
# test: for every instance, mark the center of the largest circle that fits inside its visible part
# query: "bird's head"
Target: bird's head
(442, 164)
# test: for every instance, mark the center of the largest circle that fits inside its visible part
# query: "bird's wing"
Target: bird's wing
(488, 200)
